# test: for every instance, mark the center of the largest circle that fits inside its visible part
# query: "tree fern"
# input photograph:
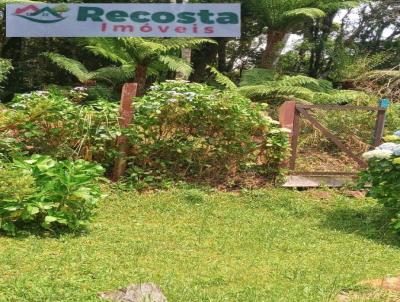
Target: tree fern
(147, 55)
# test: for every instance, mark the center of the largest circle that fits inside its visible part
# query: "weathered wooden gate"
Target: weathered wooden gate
(291, 112)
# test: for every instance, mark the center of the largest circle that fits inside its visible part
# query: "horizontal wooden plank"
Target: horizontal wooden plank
(297, 181)
(339, 107)
(323, 173)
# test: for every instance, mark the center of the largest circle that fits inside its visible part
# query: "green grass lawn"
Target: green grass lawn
(269, 245)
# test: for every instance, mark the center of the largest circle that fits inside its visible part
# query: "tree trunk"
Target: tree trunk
(186, 53)
(140, 78)
(276, 41)
(222, 42)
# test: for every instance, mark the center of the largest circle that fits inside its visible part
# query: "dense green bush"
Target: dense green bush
(5, 69)
(40, 192)
(180, 131)
(185, 130)
(59, 125)
(383, 175)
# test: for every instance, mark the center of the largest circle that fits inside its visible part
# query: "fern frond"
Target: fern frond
(176, 64)
(324, 85)
(141, 48)
(179, 43)
(115, 74)
(72, 66)
(298, 80)
(257, 76)
(306, 12)
(222, 79)
(110, 48)
(297, 92)
(272, 91)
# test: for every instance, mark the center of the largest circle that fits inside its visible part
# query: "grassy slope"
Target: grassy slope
(271, 245)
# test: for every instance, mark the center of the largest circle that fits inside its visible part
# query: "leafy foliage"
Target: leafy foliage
(51, 123)
(272, 86)
(193, 131)
(256, 76)
(383, 175)
(5, 69)
(43, 193)
(383, 83)
(284, 15)
(351, 66)
(302, 13)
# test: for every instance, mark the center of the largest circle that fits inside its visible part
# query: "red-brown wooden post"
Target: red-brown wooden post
(294, 139)
(129, 91)
(380, 122)
(289, 118)
(286, 115)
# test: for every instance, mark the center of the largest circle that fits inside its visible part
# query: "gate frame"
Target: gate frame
(291, 112)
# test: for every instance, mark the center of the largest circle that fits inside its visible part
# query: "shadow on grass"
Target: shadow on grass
(26, 232)
(370, 222)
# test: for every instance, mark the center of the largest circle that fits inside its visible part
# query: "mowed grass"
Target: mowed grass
(268, 245)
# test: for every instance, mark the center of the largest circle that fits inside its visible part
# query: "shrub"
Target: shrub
(48, 122)
(383, 175)
(5, 69)
(44, 193)
(193, 131)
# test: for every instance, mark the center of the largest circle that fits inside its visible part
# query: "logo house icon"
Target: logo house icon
(42, 15)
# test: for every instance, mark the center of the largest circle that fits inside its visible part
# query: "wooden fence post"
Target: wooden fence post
(286, 115)
(289, 118)
(380, 121)
(129, 91)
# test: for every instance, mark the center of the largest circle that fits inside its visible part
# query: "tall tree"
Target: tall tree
(281, 18)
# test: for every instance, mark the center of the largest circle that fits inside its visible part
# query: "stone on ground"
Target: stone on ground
(146, 292)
